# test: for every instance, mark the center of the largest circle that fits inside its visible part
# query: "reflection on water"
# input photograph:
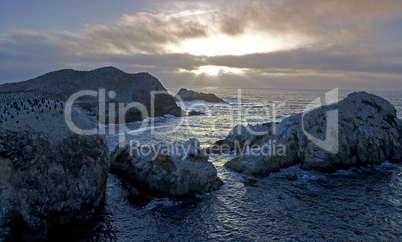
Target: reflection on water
(358, 204)
(364, 203)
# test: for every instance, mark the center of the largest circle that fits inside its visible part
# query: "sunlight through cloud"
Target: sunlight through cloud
(238, 45)
(212, 70)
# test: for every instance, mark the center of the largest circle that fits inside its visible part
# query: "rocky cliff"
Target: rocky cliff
(49, 176)
(127, 88)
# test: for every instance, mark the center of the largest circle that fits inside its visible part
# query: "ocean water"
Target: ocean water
(357, 204)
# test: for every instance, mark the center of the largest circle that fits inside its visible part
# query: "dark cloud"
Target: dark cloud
(298, 80)
(320, 60)
(25, 55)
(22, 45)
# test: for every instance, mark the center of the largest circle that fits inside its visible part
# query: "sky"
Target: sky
(313, 44)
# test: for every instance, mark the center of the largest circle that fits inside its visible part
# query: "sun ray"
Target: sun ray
(244, 44)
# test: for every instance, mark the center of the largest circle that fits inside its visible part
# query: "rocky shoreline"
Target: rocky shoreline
(51, 176)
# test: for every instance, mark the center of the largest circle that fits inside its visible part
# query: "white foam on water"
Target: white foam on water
(279, 118)
(163, 202)
(148, 120)
(140, 130)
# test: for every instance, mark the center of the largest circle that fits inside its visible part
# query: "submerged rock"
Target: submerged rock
(369, 132)
(188, 95)
(49, 176)
(195, 113)
(138, 198)
(175, 170)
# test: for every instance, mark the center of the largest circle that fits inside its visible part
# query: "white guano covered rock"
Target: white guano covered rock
(174, 170)
(369, 132)
(49, 176)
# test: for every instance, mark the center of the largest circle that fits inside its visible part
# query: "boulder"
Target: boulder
(174, 170)
(188, 95)
(241, 137)
(49, 176)
(369, 132)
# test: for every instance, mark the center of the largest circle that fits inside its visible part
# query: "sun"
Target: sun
(212, 70)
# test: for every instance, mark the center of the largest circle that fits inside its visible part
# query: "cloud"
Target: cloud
(142, 33)
(152, 33)
(26, 54)
(140, 42)
(334, 58)
(343, 19)
(30, 47)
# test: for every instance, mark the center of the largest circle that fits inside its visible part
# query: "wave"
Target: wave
(191, 103)
(140, 130)
(279, 118)
(162, 202)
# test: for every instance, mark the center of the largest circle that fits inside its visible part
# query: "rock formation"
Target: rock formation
(369, 132)
(49, 176)
(177, 170)
(195, 113)
(127, 88)
(241, 136)
(188, 95)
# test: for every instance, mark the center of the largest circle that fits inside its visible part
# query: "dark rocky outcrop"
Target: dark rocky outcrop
(188, 95)
(195, 113)
(138, 198)
(177, 170)
(128, 88)
(49, 176)
(369, 133)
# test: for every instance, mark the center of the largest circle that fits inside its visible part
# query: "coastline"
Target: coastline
(290, 176)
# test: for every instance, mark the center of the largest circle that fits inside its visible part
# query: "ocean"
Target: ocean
(357, 204)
